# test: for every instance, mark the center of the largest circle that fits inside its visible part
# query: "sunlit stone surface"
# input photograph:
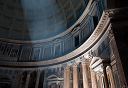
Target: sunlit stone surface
(35, 20)
(92, 54)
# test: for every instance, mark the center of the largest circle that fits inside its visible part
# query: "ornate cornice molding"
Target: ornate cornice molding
(92, 40)
(101, 28)
(47, 50)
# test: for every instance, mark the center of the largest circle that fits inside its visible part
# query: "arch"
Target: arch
(52, 77)
(54, 81)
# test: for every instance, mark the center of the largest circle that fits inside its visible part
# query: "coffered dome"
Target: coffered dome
(38, 19)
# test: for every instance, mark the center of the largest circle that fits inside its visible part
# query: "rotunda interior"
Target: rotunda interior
(34, 20)
(63, 43)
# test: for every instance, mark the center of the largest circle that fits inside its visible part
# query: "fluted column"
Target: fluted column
(75, 76)
(27, 80)
(111, 75)
(105, 77)
(93, 79)
(85, 75)
(65, 74)
(112, 78)
(67, 77)
(37, 80)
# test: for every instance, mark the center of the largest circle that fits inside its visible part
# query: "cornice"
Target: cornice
(98, 33)
(91, 41)
(51, 49)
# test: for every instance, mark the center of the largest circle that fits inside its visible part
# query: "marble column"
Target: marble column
(85, 75)
(37, 80)
(67, 77)
(75, 76)
(93, 79)
(111, 76)
(105, 77)
(27, 80)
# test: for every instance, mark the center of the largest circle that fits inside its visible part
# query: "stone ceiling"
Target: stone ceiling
(37, 19)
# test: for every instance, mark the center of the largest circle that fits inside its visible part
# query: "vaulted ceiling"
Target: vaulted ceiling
(38, 19)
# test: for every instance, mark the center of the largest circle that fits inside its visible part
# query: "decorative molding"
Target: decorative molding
(110, 34)
(65, 40)
(98, 33)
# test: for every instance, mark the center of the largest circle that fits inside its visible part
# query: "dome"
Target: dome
(45, 30)
(35, 20)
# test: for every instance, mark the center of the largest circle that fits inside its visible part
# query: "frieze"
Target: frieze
(101, 28)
